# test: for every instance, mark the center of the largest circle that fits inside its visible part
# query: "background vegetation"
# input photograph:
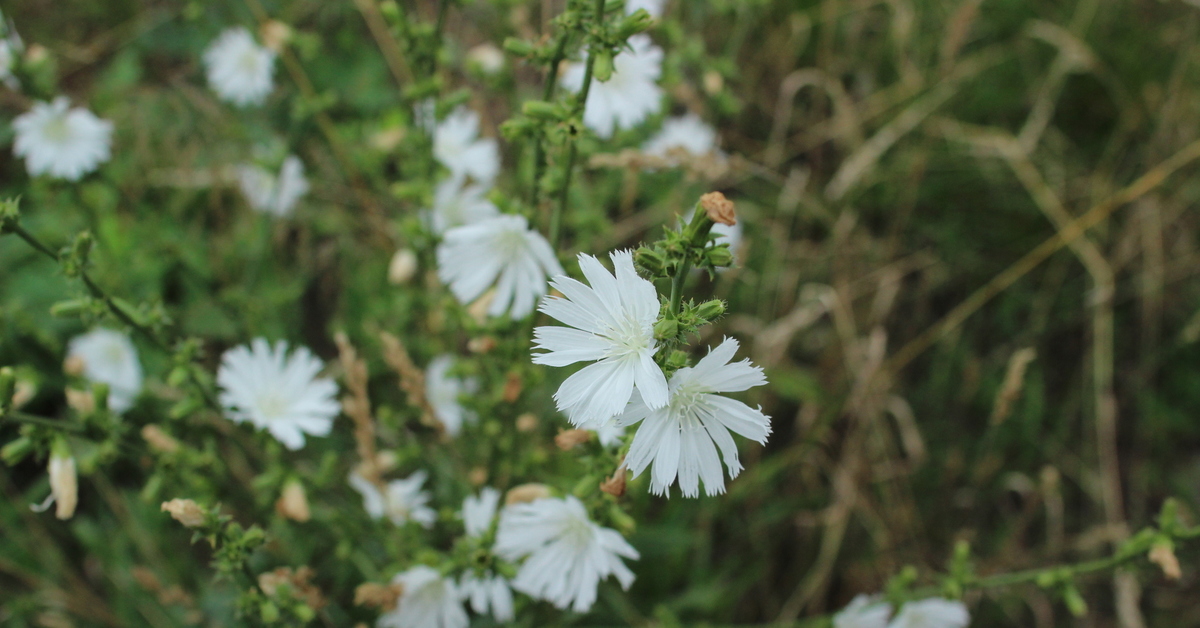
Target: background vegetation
(942, 367)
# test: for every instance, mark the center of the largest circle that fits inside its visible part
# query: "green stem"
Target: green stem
(572, 151)
(21, 417)
(539, 147)
(677, 282)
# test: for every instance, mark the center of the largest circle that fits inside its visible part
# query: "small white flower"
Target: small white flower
(566, 554)
(442, 392)
(487, 57)
(653, 7)
(629, 95)
(457, 146)
(864, 611)
(684, 135)
(503, 251)
(109, 357)
(11, 47)
(61, 142)
(428, 601)
(404, 500)
(609, 433)
(487, 590)
(679, 438)
(270, 193)
(269, 389)
(614, 325)
(456, 203)
(239, 70)
(479, 512)
(934, 612)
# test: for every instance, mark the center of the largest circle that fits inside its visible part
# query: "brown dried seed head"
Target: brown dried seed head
(482, 344)
(527, 422)
(403, 267)
(159, 440)
(274, 35)
(615, 485)
(478, 476)
(81, 401)
(74, 365)
(718, 208)
(293, 503)
(570, 439)
(185, 511)
(381, 596)
(512, 387)
(1163, 556)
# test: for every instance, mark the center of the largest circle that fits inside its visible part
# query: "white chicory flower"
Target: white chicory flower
(429, 601)
(269, 389)
(864, 611)
(109, 357)
(457, 203)
(934, 612)
(629, 95)
(401, 501)
(688, 135)
(275, 194)
(503, 251)
(682, 437)
(442, 391)
(613, 323)
(457, 146)
(487, 591)
(566, 554)
(61, 142)
(239, 70)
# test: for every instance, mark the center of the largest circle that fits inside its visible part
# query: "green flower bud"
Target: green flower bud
(1074, 600)
(70, 308)
(711, 310)
(666, 329)
(8, 387)
(10, 214)
(719, 256)
(602, 66)
(650, 260)
(639, 22)
(517, 128)
(16, 450)
(677, 360)
(519, 47)
(541, 110)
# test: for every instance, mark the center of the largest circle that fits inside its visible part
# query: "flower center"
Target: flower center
(272, 406)
(628, 338)
(248, 62)
(686, 406)
(577, 532)
(57, 130)
(114, 354)
(509, 244)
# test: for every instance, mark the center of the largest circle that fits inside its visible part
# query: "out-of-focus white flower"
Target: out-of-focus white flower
(428, 601)
(630, 95)
(683, 136)
(109, 357)
(679, 437)
(487, 590)
(487, 57)
(566, 554)
(456, 203)
(934, 612)
(609, 433)
(479, 512)
(653, 7)
(269, 389)
(613, 323)
(239, 69)
(442, 392)
(11, 48)
(457, 146)
(61, 142)
(864, 611)
(270, 193)
(503, 251)
(404, 500)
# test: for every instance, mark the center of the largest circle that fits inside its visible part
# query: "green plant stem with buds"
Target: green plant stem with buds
(98, 293)
(539, 147)
(572, 150)
(696, 234)
(21, 417)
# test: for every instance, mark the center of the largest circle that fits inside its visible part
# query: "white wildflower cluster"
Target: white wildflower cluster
(873, 612)
(684, 421)
(60, 141)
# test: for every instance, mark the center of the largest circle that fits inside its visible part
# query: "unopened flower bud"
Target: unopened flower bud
(711, 310)
(293, 503)
(718, 208)
(526, 493)
(615, 485)
(402, 267)
(159, 440)
(513, 387)
(518, 47)
(678, 359)
(275, 35)
(10, 214)
(1163, 555)
(713, 82)
(639, 22)
(720, 256)
(649, 259)
(602, 67)
(666, 329)
(8, 387)
(185, 511)
(477, 476)
(481, 344)
(64, 485)
(570, 439)
(16, 450)
(74, 365)
(541, 110)
(24, 394)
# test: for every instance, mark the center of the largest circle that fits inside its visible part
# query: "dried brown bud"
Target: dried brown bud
(293, 503)
(74, 365)
(1163, 556)
(478, 310)
(274, 35)
(381, 596)
(527, 422)
(25, 392)
(298, 580)
(64, 485)
(615, 485)
(713, 82)
(81, 401)
(512, 387)
(478, 476)
(159, 440)
(185, 511)
(526, 493)
(718, 208)
(570, 439)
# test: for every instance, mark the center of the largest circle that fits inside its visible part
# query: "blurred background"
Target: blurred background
(941, 367)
